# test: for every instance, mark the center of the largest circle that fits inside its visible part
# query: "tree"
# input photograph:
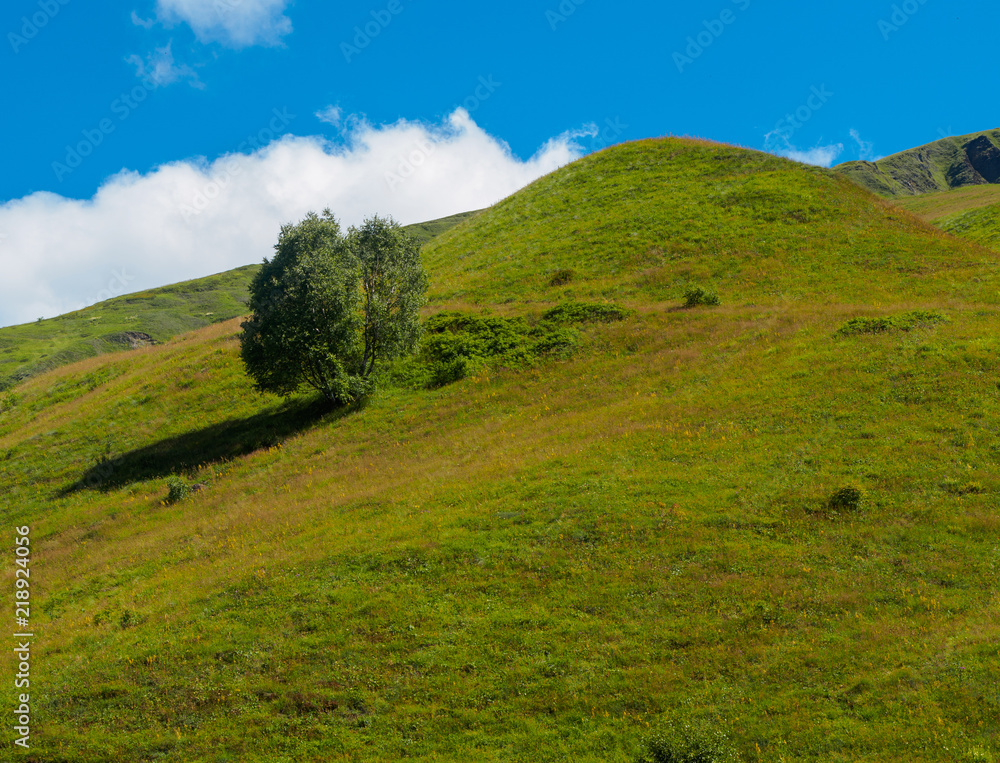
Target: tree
(329, 308)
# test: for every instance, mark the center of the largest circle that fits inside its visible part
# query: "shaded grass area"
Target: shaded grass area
(214, 444)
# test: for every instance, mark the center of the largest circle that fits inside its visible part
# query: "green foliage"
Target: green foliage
(902, 322)
(688, 743)
(562, 277)
(962, 488)
(848, 498)
(328, 309)
(698, 295)
(177, 489)
(583, 312)
(457, 345)
(9, 401)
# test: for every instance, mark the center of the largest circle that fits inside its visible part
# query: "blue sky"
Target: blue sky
(150, 141)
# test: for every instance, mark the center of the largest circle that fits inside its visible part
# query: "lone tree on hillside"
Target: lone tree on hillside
(328, 308)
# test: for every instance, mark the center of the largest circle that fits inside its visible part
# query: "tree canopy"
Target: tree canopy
(329, 308)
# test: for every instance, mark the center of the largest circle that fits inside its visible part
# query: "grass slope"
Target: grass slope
(162, 313)
(651, 218)
(972, 213)
(935, 206)
(559, 561)
(938, 166)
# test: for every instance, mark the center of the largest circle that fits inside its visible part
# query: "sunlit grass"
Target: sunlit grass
(551, 562)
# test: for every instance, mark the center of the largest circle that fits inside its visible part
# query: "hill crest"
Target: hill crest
(953, 162)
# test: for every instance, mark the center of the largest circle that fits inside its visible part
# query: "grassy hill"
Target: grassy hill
(154, 315)
(769, 525)
(953, 162)
(972, 212)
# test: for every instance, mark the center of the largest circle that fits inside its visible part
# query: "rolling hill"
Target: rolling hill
(764, 530)
(954, 162)
(140, 318)
(972, 212)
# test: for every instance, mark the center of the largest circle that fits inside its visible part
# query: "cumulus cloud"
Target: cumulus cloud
(194, 218)
(237, 23)
(160, 68)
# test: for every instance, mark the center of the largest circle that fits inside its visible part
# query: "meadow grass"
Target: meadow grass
(562, 559)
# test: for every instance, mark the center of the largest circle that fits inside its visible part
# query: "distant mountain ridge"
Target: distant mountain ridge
(943, 165)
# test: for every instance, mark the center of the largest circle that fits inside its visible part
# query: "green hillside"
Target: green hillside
(767, 528)
(953, 162)
(135, 319)
(981, 225)
(936, 206)
(972, 212)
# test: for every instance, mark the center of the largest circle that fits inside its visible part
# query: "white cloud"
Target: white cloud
(866, 149)
(331, 115)
(146, 24)
(821, 156)
(160, 68)
(237, 23)
(777, 142)
(193, 218)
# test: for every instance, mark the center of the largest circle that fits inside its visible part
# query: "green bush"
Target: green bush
(457, 345)
(847, 498)
(688, 745)
(178, 490)
(698, 295)
(562, 277)
(902, 322)
(584, 312)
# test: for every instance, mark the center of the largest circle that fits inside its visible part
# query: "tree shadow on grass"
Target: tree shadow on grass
(219, 442)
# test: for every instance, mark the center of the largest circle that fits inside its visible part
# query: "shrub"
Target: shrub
(562, 277)
(178, 490)
(584, 312)
(688, 745)
(902, 322)
(698, 295)
(847, 498)
(457, 345)
(957, 488)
